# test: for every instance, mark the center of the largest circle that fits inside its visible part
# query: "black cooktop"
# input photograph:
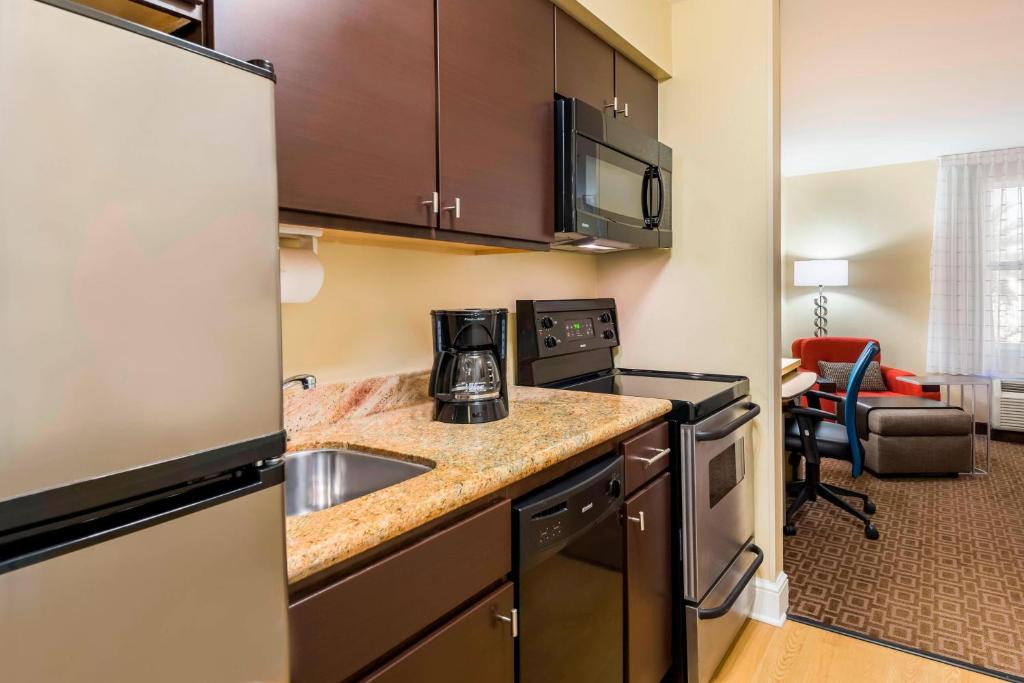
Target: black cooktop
(694, 395)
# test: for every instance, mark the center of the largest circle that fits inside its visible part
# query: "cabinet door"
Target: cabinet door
(474, 646)
(639, 89)
(584, 64)
(355, 100)
(649, 582)
(496, 125)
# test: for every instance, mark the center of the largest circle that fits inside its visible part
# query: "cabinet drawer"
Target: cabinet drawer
(646, 455)
(346, 626)
(474, 646)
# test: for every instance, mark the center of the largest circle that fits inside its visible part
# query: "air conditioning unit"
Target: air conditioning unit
(1008, 404)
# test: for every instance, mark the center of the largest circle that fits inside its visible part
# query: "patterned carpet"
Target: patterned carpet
(946, 576)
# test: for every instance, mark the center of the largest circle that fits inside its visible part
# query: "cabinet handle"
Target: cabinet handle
(456, 207)
(512, 619)
(661, 453)
(434, 202)
(638, 520)
(614, 106)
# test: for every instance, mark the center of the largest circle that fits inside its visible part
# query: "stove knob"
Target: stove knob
(614, 488)
(608, 334)
(547, 323)
(550, 342)
(605, 317)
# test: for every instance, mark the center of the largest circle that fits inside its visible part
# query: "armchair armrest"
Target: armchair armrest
(892, 381)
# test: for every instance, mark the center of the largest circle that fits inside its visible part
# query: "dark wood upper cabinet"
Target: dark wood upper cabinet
(584, 64)
(355, 100)
(639, 89)
(649, 582)
(496, 117)
(588, 69)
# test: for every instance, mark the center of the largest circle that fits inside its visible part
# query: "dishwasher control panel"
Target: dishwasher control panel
(547, 519)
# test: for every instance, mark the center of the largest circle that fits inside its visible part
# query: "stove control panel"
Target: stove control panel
(569, 331)
(556, 328)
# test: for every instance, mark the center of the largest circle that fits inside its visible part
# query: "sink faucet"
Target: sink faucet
(306, 380)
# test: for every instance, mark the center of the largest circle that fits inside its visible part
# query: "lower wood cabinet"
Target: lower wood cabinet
(477, 645)
(649, 582)
(347, 627)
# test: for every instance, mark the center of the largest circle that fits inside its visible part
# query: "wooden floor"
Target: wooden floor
(797, 652)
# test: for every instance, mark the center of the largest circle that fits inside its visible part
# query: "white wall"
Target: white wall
(712, 302)
(372, 316)
(881, 220)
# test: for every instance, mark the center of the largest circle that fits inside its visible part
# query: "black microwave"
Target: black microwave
(614, 183)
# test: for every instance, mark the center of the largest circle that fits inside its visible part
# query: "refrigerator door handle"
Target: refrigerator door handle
(35, 544)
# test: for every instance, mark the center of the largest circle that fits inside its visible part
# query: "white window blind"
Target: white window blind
(976, 321)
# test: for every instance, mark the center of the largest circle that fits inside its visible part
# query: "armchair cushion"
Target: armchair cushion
(839, 372)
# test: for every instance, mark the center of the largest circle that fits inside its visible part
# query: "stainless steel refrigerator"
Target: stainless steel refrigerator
(141, 515)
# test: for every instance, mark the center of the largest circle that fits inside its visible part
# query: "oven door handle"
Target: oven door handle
(737, 590)
(752, 411)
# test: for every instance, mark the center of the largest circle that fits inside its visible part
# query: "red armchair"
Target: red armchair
(845, 350)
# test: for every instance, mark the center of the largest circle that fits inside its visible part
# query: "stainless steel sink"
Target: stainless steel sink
(317, 480)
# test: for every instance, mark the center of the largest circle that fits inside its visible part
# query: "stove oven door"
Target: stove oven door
(712, 626)
(717, 495)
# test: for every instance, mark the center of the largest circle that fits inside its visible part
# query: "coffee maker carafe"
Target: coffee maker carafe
(467, 380)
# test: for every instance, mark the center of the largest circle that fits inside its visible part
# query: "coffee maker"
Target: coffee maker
(467, 380)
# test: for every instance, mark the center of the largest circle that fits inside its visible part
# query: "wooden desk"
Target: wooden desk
(788, 365)
(797, 384)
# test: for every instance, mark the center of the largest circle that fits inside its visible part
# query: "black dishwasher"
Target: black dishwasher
(568, 577)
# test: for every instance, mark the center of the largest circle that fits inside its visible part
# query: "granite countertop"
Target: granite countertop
(544, 427)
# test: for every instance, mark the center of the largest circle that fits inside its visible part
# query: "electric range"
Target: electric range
(568, 344)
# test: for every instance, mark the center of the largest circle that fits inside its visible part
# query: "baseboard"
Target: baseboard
(771, 599)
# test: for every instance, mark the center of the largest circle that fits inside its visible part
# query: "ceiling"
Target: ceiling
(876, 82)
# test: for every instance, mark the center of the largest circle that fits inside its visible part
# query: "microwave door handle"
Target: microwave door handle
(645, 198)
(661, 197)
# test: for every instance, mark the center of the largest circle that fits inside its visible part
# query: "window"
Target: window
(1005, 262)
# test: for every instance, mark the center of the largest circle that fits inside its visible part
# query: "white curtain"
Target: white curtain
(976, 320)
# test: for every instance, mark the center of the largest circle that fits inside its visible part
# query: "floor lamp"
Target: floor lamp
(821, 274)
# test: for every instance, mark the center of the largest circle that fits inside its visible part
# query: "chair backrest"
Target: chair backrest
(850, 404)
(840, 349)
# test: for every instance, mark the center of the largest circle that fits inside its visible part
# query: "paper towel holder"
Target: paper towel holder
(302, 274)
(298, 237)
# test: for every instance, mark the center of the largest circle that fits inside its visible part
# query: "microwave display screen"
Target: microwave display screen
(577, 329)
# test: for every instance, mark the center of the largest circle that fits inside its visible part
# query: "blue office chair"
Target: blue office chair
(812, 434)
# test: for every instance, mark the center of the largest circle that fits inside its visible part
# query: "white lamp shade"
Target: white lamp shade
(828, 273)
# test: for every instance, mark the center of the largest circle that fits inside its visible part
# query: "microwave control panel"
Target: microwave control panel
(560, 332)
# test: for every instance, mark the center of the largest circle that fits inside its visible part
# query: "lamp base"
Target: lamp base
(821, 314)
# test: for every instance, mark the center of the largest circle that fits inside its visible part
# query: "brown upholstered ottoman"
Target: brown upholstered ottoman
(914, 436)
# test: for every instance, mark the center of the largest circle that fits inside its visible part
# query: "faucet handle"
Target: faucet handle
(306, 380)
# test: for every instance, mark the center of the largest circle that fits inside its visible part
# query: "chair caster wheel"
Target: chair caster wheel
(790, 530)
(869, 508)
(871, 533)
